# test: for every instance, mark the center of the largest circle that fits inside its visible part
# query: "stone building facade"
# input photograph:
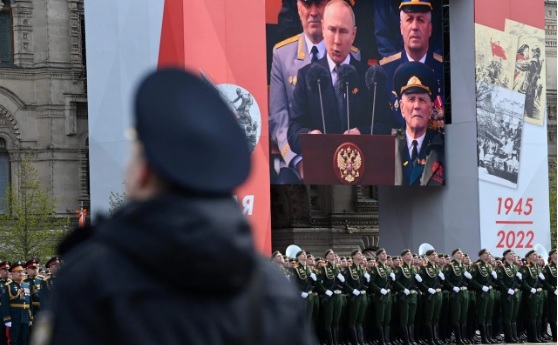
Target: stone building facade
(43, 101)
(550, 35)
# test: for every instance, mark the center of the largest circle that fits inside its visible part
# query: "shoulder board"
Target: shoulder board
(350, 265)
(391, 58)
(295, 266)
(528, 265)
(425, 265)
(438, 57)
(354, 49)
(287, 41)
(478, 262)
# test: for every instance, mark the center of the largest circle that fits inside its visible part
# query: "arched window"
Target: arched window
(6, 32)
(4, 173)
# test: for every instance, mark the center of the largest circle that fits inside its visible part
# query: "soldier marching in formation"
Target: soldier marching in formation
(379, 299)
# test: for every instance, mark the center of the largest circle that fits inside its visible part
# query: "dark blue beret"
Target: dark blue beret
(191, 137)
(413, 77)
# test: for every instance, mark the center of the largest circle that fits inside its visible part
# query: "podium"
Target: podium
(330, 159)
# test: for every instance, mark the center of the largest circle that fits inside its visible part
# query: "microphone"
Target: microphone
(375, 76)
(347, 75)
(316, 74)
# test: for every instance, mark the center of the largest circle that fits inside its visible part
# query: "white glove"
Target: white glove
(329, 293)
(341, 278)
(467, 275)
(511, 292)
(383, 291)
(519, 275)
(418, 278)
(304, 294)
(407, 292)
(392, 275)
(313, 276)
(442, 276)
(367, 276)
(485, 288)
(431, 290)
(356, 292)
(533, 291)
(8, 324)
(541, 276)
(456, 289)
(556, 292)
(494, 274)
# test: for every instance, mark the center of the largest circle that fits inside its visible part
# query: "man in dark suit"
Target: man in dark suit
(339, 32)
(419, 154)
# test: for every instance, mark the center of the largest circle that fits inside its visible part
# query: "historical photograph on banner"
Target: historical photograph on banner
(500, 124)
(529, 76)
(495, 56)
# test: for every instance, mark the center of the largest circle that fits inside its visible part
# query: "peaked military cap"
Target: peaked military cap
(52, 261)
(415, 77)
(4, 265)
(33, 263)
(190, 136)
(17, 266)
(415, 6)
(355, 251)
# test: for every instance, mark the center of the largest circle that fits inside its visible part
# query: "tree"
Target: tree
(116, 201)
(30, 227)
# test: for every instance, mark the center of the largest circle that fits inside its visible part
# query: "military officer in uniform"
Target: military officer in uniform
(430, 281)
(356, 284)
(53, 265)
(549, 272)
(416, 29)
(381, 282)
(305, 279)
(331, 285)
(16, 306)
(407, 290)
(4, 267)
(532, 294)
(509, 284)
(456, 282)
(35, 282)
(482, 282)
(419, 153)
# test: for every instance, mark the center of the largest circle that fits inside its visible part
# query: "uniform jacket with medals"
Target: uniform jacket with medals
(507, 277)
(549, 272)
(306, 112)
(453, 272)
(355, 278)
(405, 277)
(329, 278)
(430, 280)
(36, 285)
(16, 302)
(380, 278)
(482, 275)
(429, 167)
(530, 279)
(302, 277)
(224, 291)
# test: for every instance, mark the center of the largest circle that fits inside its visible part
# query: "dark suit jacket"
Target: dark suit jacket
(306, 112)
(429, 167)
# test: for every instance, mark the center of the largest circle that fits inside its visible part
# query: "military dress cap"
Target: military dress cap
(415, 6)
(415, 77)
(17, 266)
(430, 252)
(355, 251)
(530, 252)
(190, 136)
(380, 251)
(33, 263)
(455, 251)
(482, 251)
(52, 261)
(299, 253)
(4, 265)
(405, 251)
(506, 252)
(327, 252)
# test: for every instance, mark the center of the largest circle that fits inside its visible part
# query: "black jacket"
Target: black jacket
(174, 270)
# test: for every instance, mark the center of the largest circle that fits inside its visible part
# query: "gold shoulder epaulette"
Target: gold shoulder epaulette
(354, 49)
(438, 57)
(391, 58)
(295, 266)
(287, 41)
(425, 265)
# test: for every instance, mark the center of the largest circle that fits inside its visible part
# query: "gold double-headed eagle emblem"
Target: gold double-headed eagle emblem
(349, 163)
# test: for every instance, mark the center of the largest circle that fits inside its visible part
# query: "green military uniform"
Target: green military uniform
(304, 279)
(459, 298)
(431, 286)
(509, 285)
(549, 272)
(330, 287)
(532, 294)
(356, 285)
(482, 283)
(380, 284)
(408, 292)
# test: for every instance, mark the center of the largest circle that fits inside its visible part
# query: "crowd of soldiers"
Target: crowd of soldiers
(426, 299)
(24, 287)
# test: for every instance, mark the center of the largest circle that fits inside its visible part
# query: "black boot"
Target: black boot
(458, 338)
(353, 335)
(515, 337)
(405, 336)
(532, 333)
(436, 331)
(329, 337)
(360, 335)
(411, 330)
(336, 336)
(508, 335)
(489, 334)
(464, 337)
(386, 335)
(381, 339)
(553, 330)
